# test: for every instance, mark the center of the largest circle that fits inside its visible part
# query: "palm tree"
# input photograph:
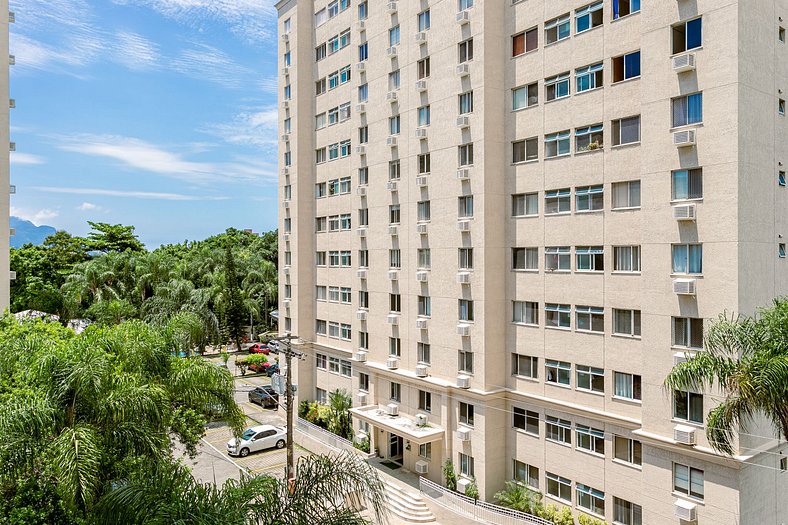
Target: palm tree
(747, 359)
(340, 422)
(180, 296)
(517, 496)
(327, 491)
(151, 270)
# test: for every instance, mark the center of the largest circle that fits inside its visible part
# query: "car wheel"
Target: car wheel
(244, 452)
(280, 443)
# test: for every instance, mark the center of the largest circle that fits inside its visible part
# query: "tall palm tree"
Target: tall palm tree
(328, 490)
(151, 270)
(747, 359)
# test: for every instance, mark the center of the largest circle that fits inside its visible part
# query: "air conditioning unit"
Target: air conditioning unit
(11, 17)
(463, 381)
(391, 7)
(286, 302)
(464, 226)
(683, 139)
(679, 357)
(421, 419)
(12, 275)
(464, 330)
(420, 37)
(361, 191)
(463, 174)
(12, 146)
(11, 60)
(422, 277)
(393, 230)
(421, 181)
(12, 232)
(686, 510)
(421, 324)
(421, 229)
(286, 270)
(393, 275)
(464, 434)
(421, 370)
(391, 185)
(391, 141)
(285, 71)
(463, 484)
(463, 17)
(392, 363)
(463, 70)
(361, 315)
(393, 319)
(391, 96)
(361, 274)
(463, 122)
(285, 171)
(286, 137)
(421, 85)
(362, 232)
(464, 278)
(392, 409)
(361, 25)
(11, 103)
(286, 237)
(286, 204)
(361, 355)
(361, 108)
(12, 189)
(361, 66)
(684, 286)
(391, 52)
(421, 133)
(685, 212)
(685, 62)
(285, 104)
(285, 37)
(362, 400)
(684, 434)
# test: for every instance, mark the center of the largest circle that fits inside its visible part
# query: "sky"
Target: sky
(160, 114)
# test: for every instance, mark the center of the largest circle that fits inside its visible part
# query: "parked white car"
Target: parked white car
(257, 438)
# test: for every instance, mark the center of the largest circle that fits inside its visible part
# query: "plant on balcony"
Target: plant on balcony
(517, 496)
(449, 475)
(362, 445)
(562, 517)
(584, 519)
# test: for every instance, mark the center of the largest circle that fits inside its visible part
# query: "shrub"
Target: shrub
(303, 408)
(449, 475)
(363, 445)
(472, 490)
(519, 497)
(584, 519)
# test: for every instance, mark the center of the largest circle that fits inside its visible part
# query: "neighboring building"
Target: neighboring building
(6, 146)
(513, 217)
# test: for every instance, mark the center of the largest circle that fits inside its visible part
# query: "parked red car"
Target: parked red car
(259, 348)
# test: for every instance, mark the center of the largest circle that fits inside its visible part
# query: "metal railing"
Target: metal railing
(478, 510)
(326, 437)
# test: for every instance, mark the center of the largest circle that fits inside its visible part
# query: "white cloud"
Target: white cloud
(135, 51)
(256, 127)
(127, 194)
(37, 217)
(87, 206)
(26, 158)
(205, 62)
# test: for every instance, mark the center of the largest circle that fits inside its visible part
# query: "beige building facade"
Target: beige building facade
(503, 222)
(6, 146)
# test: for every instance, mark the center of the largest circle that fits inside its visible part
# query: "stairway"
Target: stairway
(408, 506)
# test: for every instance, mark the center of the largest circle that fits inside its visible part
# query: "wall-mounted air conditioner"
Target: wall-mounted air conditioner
(684, 286)
(464, 226)
(421, 181)
(682, 63)
(464, 174)
(463, 17)
(393, 275)
(392, 409)
(686, 510)
(422, 277)
(420, 37)
(421, 371)
(421, 133)
(422, 467)
(393, 319)
(361, 274)
(464, 278)
(393, 230)
(464, 330)
(392, 363)
(463, 70)
(421, 324)
(421, 85)
(684, 434)
(361, 356)
(684, 212)
(361, 315)
(683, 139)
(464, 434)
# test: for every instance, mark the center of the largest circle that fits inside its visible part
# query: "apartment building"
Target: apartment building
(504, 221)
(6, 146)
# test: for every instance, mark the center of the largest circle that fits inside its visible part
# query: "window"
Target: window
(320, 224)
(333, 294)
(395, 391)
(556, 87)
(320, 87)
(627, 513)
(423, 211)
(626, 131)
(525, 96)
(465, 206)
(363, 340)
(394, 80)
(688, 480)
(781, 250)
(363, 135)
(626, 194)
(783, 464)
(287, 26)
(363, 381)
(333, 331)
(288, 291)
(425, 401)
(320, 155)
(423, 258)
(423, 116)
(526, 474)
(465, 362)
(628, 450)
(590, 138)
(394, 36)
(425, 450)
(525, 420)
(590, 499)
(395, 346)
(559, 487)
(465, 310)
(525, 366)
(333, 116)
(558, 372)
(425, 308)
(346, 367)
(590, 319)
(626, 322)
(363, 258)
(590, 378)
(466, 461)
(781, 34)
(321, 396)
(557, 258)
(320, 327)
(525, 204)
(625, 7)
(424, 163)
(424, 20)
(525, 312)
(688, 332)
(525, 258)
(557, 201)
(320, 121)
(363, 52)
(588, 17)
(466, 103)
(363, 299)
(687, 184)
(688, 406)
(423, 67)
(525, 150)
(688, 110)
(557, 144)
(466, 414)
(687, 35)
(333, 151)
(394, 170)
(320, 258)
(465, 50)
(423, 353)
(626, 258)
(287, 93)
(524, 42)
(465, 258)
(465, 154)
(626, 66)
(589, 198)
(363, 10)
(321, 361)
(627, 386)
(688, 258)
(395, 302)
(345, 259)
(557, 29)
(286, 59)
(394, 125)
(394, 213)
(344, 112)
(363, 92)
(344, 295)
(465, 4)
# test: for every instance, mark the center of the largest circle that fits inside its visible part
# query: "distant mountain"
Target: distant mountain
(27, 232)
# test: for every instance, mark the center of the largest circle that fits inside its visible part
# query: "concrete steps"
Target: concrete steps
(407, 505)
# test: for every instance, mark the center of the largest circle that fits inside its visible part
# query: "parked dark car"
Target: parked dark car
(264, 396)
(271, 370)
(259, 348)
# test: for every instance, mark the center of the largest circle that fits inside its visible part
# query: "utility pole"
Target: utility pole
(287, 350)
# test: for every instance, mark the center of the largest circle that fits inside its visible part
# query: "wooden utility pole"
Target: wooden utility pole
(288, 352)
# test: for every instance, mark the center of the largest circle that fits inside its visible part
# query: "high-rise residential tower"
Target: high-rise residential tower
(6, 146)
(504, 222)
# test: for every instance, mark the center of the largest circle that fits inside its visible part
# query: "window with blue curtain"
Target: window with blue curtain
(694, 33)
(687, 258)
(625, 7)
(688, 110)
(632, 65)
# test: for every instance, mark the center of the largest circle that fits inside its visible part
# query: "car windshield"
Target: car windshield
(249, 434)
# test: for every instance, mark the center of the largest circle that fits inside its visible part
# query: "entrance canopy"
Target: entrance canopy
(401, 425)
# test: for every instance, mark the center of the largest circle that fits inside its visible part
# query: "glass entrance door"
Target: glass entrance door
(395, 447)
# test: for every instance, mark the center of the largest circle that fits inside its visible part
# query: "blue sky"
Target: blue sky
(156, 113)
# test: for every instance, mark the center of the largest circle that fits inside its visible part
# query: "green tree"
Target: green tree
(34, 501)
(519, 497)
(340, 422)
(449, 475)
(747, 359)
(235, 315)
(105, 237)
